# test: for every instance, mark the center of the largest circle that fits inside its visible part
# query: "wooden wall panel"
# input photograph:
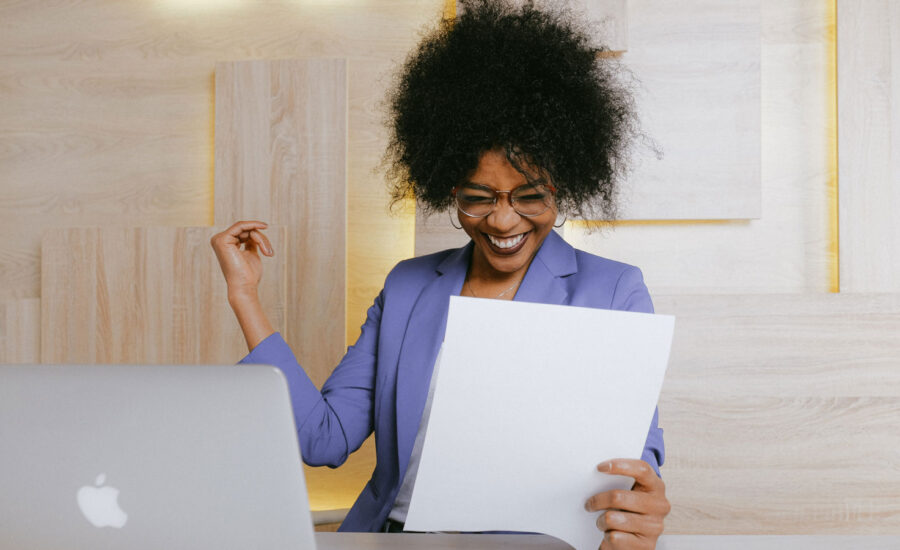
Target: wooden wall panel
(281, 157)
(20, 331)
(700, 101)
(869, 144)
(780, 414)
(107, 111)
(152, 295)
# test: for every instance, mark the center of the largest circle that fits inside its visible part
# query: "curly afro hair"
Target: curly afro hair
(524, 80)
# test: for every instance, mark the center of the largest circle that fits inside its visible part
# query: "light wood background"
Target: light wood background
(281, 157)
(20, 331)
(780, 414)
(153, 295)
(869, 144)
(780, 405)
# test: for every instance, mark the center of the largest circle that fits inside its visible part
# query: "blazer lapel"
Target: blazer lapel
(543, 281)
(421, 343)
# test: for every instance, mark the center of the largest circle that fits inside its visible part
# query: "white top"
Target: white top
(401, 503)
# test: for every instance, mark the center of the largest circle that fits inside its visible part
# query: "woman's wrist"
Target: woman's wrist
(250, 315)
(242, 298)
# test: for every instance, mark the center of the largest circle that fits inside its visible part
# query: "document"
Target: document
(528, 400)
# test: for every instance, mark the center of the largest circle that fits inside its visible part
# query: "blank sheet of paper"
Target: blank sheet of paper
(529, 398)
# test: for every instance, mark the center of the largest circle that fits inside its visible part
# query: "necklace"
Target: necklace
(502, 294)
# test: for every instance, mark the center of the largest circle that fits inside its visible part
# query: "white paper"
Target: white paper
(529, 398)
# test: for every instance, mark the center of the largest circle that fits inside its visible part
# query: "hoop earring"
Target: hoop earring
(562, 223)
(450, 211)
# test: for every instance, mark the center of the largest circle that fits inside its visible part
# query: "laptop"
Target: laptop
(149, 457)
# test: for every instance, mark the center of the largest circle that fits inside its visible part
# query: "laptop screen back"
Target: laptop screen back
(149, 457)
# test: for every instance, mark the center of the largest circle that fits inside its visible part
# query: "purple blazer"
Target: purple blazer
(382, 382)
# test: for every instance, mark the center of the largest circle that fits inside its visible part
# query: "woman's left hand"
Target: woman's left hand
(633, 519)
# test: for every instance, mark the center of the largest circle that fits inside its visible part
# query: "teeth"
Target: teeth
(506, 243)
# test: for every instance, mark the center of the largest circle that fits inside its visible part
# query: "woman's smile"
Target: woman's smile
(505, 241)
(507, 245)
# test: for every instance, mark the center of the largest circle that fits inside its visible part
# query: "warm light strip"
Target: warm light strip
(834, 264)
(584, 224)
(449, 9)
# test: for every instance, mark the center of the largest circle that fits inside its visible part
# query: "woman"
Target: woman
(508, 117)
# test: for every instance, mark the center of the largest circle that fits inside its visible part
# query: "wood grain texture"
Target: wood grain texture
(869, 144)
(281, 157)
(143, 295)
(20, 331)
(698, 64)
(107, 109)
(780, 414)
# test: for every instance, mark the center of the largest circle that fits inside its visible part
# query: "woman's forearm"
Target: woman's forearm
(250, 315)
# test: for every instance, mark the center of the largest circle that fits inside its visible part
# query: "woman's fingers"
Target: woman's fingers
(628, 501)
(245, 227)
(626, 522)
(263, 242)
(632, 519)
(644, 475)
(236, 250)
(620, 540)
(242, 233)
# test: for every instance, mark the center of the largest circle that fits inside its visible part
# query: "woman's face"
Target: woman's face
(505, 241)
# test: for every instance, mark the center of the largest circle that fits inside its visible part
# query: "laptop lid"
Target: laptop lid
(149, 457)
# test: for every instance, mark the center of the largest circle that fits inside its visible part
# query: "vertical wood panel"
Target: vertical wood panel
(698, 64)
(281, 157)
(20, 331)
(153, 295)
(869, 144)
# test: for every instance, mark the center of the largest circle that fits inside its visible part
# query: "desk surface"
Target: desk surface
(410, 541)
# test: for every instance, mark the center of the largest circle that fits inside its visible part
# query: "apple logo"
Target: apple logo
(100, 505)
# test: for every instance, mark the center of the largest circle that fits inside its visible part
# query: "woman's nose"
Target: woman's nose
(503, 217)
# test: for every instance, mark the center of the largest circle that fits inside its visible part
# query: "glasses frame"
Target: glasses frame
(509, 199)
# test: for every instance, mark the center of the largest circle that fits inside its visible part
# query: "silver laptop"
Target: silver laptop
(149, 457)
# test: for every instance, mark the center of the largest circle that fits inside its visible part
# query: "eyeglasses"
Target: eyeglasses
(529, 200)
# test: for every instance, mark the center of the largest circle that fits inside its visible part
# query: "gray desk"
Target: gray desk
(390, 541)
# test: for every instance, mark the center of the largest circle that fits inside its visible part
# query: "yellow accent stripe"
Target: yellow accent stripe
(584, 224)
(449, 9)
(834, 264)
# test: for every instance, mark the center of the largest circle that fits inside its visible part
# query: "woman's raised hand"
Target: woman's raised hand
(237, 249)
(633, 520)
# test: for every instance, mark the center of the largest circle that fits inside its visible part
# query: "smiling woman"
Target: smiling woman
(508, 116)
(506, 232)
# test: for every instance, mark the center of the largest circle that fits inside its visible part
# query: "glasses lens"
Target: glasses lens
(475, 202)
(531, 200)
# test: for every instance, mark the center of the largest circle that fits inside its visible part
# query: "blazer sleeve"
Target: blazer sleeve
(631, 295)
(333, 422)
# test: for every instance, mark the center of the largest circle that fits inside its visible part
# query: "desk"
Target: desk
(400, 541)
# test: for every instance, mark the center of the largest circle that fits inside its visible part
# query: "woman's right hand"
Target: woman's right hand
(237, 249)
